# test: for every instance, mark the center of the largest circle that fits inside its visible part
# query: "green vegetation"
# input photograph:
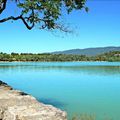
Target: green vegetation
(84, 117)
(89, 117)
(111, 56)
(43, 13)
(41, 57)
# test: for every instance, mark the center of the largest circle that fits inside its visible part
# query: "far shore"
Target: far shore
(54, 61)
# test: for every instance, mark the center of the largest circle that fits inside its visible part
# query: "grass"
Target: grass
(89, 117)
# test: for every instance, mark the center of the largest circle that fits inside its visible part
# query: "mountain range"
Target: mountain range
(89, 51)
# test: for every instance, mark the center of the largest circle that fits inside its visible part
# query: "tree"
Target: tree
(43, 13)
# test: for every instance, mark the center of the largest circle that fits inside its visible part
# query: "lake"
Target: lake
(76, 87)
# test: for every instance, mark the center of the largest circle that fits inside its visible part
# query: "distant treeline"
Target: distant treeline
(111, 56)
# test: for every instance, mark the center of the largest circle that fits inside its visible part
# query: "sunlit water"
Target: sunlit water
(76, 87)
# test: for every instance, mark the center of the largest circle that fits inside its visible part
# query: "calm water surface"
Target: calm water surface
(76, 87)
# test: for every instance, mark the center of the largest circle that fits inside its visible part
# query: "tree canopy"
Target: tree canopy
(42, 57)
(43, 13)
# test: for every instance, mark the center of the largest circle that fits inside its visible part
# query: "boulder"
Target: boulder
(16, 105)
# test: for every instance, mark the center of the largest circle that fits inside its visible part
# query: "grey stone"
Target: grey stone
(16, 105)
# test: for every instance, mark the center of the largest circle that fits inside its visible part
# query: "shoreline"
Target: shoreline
(15, 104)
(51, 61)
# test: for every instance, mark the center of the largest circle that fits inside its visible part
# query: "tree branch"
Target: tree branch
(3, 6)
(26, 24)
(17, 18)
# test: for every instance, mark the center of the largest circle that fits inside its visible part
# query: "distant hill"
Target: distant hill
(88, 51)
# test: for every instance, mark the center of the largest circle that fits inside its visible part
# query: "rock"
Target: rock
(16, 105)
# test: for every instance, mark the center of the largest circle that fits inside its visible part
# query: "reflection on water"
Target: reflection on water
(77, 87)
(53, 102)
(105, 69)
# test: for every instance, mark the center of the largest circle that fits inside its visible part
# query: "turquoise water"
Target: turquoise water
(76, 87)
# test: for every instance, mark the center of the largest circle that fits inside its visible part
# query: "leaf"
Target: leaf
(86, 9)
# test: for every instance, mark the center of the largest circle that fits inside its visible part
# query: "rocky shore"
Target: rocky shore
(16, 105)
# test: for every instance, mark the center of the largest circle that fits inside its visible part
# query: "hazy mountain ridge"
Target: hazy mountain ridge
(89, 51)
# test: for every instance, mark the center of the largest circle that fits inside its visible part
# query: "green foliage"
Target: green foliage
(111, 56)
(90, 117)
(85, 117)
(40, 57)
(44, 13)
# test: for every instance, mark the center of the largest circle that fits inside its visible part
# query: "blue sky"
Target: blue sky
(97, 28)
